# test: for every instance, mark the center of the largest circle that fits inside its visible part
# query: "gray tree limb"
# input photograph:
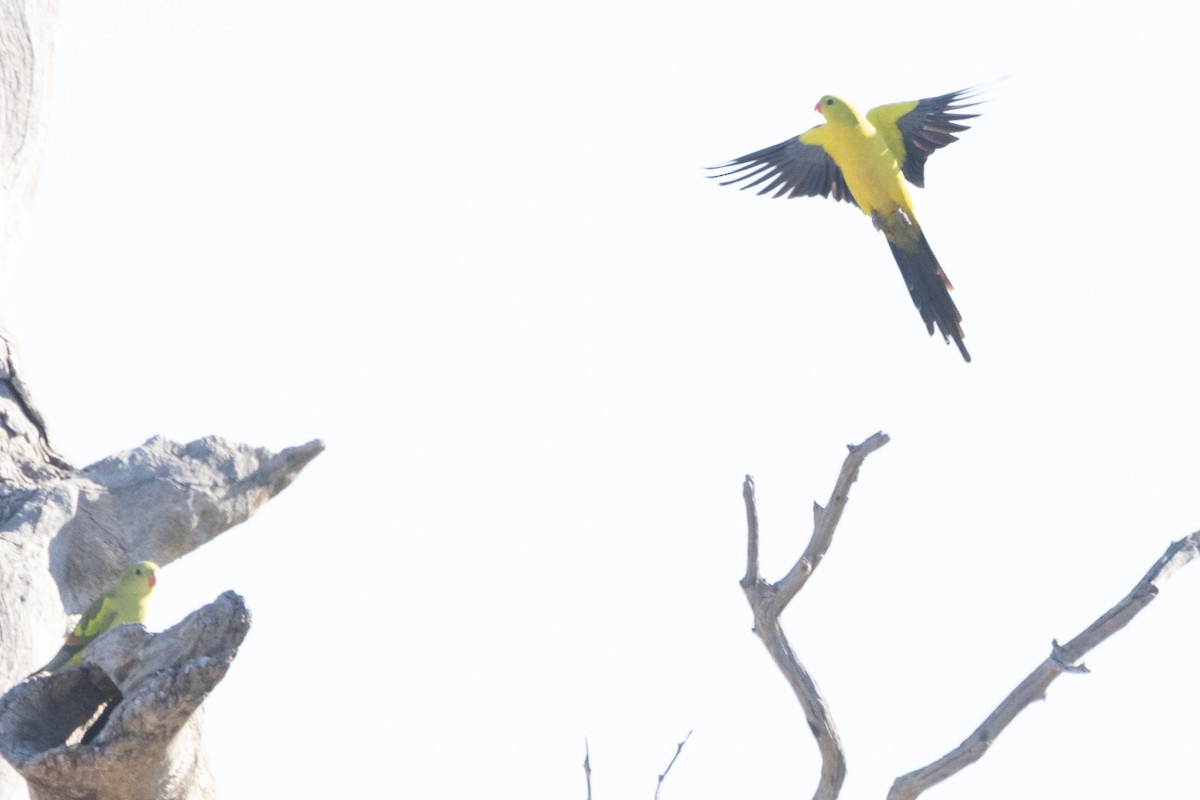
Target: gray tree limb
(149, 687)
(64, 543)
(663, 776)
(66, 534)
(587, 767)
(1062, 659)
(27, 36)
(768, 600)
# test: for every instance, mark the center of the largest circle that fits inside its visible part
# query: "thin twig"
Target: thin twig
(678, 750)
(768, 601)
(587, 767)
(752, 526)
(1062, 659)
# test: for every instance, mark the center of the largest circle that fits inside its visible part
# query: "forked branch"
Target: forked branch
(768, 600)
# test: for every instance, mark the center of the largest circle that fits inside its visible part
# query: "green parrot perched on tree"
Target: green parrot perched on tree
(124, 603)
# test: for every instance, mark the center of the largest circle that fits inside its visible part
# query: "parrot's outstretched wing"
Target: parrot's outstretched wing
(791, 169)
(913, 130)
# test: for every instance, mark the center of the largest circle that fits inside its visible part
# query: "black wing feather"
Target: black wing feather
(931, 126)
(793, 169)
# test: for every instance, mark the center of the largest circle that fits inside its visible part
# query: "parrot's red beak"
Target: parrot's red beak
(817, 108)
(153, 580)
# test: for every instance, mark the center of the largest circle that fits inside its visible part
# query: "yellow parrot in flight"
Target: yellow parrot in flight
(865, 162)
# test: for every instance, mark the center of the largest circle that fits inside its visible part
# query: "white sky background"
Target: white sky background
(471, 247)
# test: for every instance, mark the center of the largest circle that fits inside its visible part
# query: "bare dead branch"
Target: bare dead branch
(1062, 659)
(768, 601)
(587, 767)
(678, 750)
(825, 520)
(751, 576)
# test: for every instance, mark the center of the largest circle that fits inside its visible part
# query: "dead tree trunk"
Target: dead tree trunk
(66, 533)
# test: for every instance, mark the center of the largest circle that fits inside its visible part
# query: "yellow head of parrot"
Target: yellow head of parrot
(835, 109)
(141, 576)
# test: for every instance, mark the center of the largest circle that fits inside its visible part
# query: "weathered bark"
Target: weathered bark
(27, 34)
(768, 600)
(66, 534)
(147, 689)
(63, 543)
(1062, 659)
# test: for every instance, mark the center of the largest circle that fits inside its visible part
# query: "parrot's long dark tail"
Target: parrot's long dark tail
(930, 290)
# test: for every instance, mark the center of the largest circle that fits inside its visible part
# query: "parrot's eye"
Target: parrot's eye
(138, 571)
(828, 101)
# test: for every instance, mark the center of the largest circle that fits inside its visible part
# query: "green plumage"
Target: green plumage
(125, 603)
